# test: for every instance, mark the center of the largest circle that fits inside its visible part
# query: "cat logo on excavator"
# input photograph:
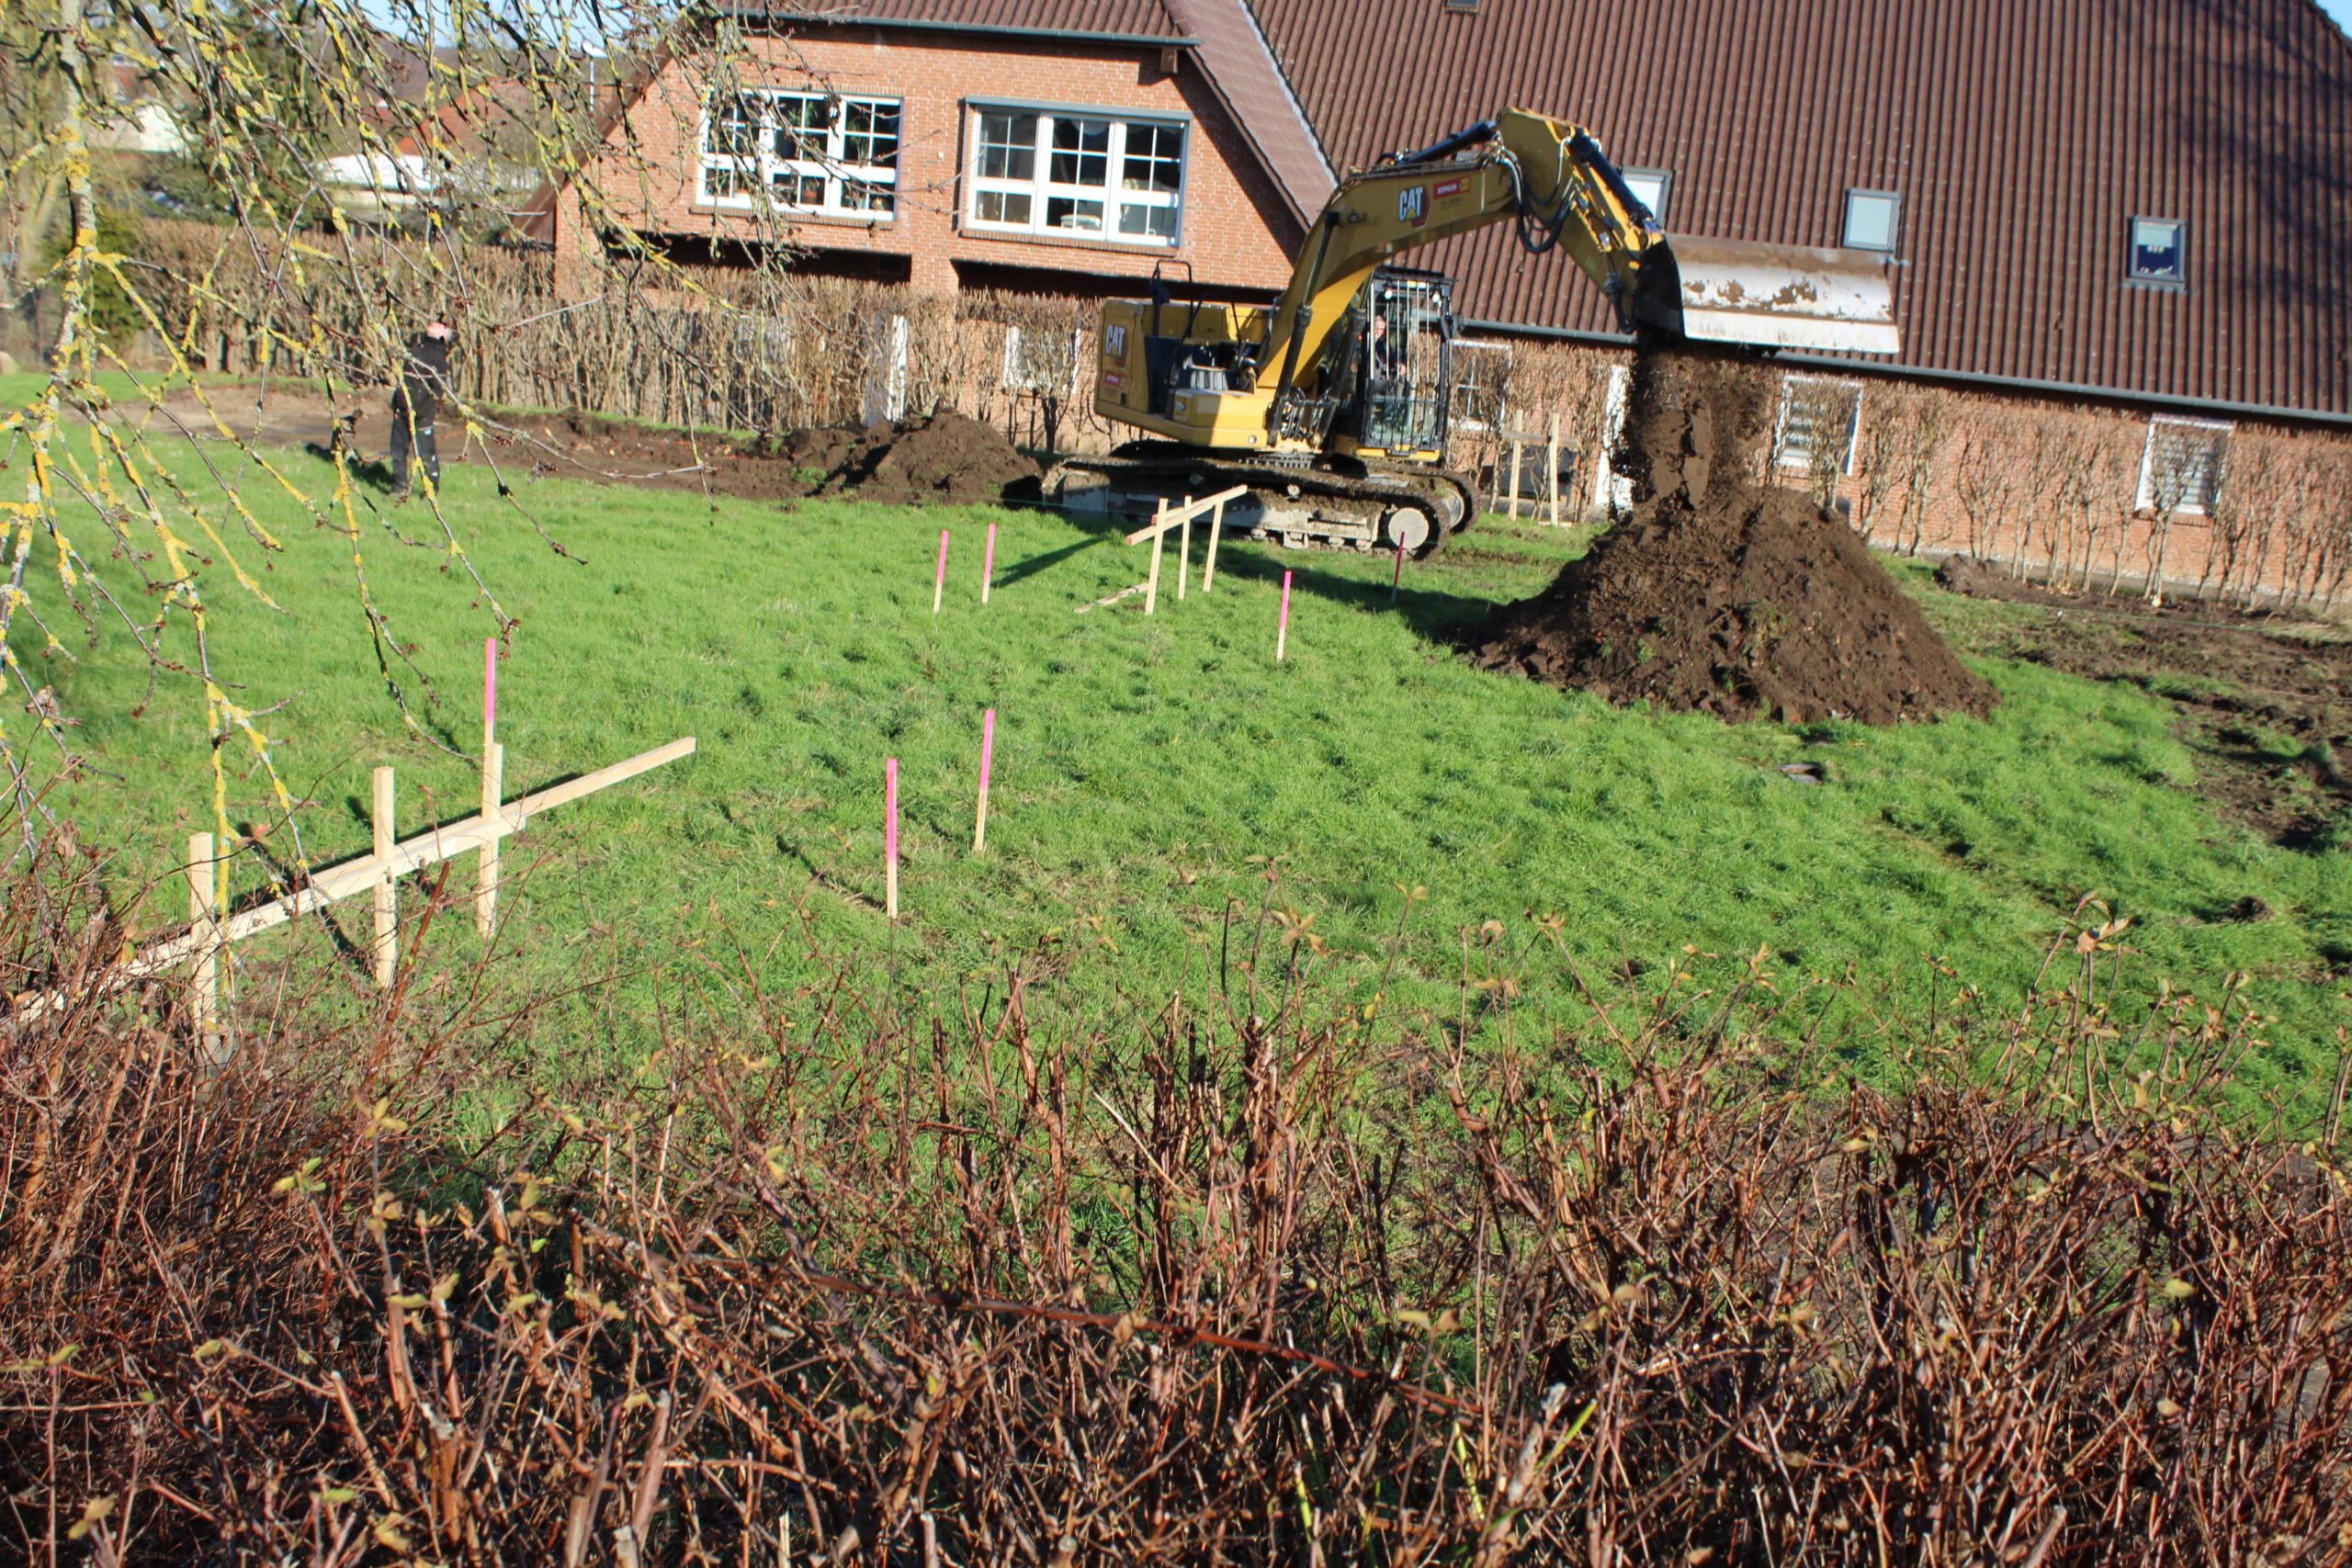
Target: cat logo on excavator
(1413, 205)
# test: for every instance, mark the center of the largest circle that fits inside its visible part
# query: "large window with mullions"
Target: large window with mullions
(804, 152)
(1072, 173)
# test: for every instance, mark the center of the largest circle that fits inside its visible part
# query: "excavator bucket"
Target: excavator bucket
(1778, 296)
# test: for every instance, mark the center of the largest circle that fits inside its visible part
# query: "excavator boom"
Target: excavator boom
(1553, 179)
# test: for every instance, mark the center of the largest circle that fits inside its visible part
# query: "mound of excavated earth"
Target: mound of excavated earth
(1719, 593)
(944, 457)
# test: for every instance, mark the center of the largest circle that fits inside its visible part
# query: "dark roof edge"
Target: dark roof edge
(1965, 377)
(994, 29)
(1282, 74)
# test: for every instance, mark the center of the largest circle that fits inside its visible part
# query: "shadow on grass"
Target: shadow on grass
(374, 472)
(1035, 564)
(1434, 614)
(285, 878)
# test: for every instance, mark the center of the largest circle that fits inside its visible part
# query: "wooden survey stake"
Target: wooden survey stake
(1216, 531)
(988, 747)
(1184, 549)
(388, 934)
(890, 837)
(493, 793)
(1158, 534)
(203, 919)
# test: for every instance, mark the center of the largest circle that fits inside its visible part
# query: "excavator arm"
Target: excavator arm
(1553, 179)
(1527, 166)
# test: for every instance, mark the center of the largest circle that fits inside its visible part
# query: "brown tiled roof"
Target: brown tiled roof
(1241, 69)
(2023, 135)
(1089, 18)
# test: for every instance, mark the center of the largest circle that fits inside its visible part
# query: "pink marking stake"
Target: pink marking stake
(988, 748)
(1282, 627)
(988, 566)
(890, 837)
(488, 690)
(938, 584)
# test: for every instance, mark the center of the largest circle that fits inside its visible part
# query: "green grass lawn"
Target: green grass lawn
(1145, 767)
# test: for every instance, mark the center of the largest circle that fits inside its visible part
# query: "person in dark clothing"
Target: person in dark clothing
(415, 403)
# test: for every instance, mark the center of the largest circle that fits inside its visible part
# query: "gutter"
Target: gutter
(993, 29)
(1963, 377)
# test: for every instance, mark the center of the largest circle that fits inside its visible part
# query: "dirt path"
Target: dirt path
(2264, 701)
(947, 458)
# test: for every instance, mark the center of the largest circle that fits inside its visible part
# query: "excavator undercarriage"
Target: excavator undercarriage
(1335, 503)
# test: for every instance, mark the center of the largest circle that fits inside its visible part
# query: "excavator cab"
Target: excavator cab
(1394, 402)
(1381, 386)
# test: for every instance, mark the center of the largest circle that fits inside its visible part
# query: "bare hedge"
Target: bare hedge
(1249, 1280)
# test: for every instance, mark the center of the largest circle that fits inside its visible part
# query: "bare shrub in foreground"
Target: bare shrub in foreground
(836, 1280)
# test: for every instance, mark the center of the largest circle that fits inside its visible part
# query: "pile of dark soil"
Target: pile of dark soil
(2263, 700)
(944, 457)
(1723, 595)
(814, 454)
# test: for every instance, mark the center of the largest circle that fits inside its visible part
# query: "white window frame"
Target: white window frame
(1893, 198)
(2200, 505)
(1610, 489)
(2178, 277)
(1021, 373)
(1661, 180)
(848, 185)
(1790, 457)
(1041, 190)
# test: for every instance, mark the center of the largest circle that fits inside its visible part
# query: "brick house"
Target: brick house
(1046, 146)
(2127, 216)
(2117, 231)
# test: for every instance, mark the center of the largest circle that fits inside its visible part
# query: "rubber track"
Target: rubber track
(1379, 486)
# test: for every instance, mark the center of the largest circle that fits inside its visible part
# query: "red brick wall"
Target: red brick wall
(2049, 485)
(1235, 231)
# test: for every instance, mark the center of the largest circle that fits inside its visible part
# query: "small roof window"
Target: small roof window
(1873, 219)
(2159, 251)
(1653, 186)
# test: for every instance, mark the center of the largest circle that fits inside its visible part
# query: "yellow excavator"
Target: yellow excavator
(1333, 405)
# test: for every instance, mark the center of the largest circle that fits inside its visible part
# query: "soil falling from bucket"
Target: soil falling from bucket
(1719, 592)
